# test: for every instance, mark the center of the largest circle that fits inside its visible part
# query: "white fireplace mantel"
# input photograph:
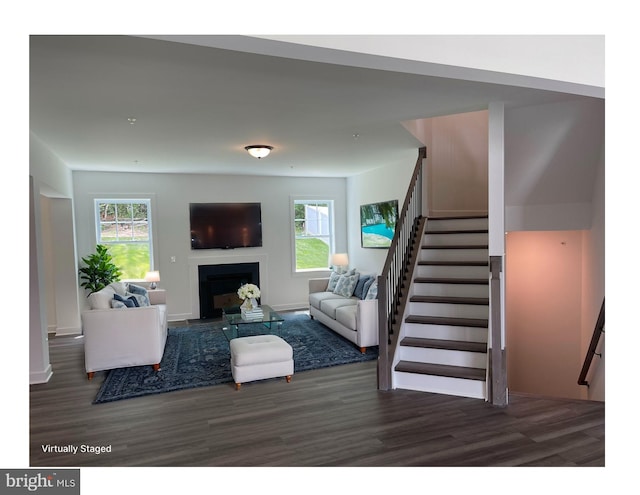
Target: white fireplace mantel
(225, 259)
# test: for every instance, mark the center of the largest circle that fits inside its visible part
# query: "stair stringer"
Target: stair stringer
(434, 381)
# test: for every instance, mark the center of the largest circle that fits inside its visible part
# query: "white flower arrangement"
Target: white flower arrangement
(249, 291)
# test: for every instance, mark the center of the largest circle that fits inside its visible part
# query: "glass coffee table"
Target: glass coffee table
(236, 325)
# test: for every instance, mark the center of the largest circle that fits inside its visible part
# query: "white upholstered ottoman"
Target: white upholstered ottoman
(259, 357)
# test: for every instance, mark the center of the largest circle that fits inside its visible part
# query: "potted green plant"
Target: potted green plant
(99, 271)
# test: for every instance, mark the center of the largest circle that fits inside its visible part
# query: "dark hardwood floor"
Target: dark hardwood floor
(328, 417)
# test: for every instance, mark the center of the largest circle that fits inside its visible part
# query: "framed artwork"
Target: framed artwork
(378, 223)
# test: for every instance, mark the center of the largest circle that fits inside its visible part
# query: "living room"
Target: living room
(377, 168)
(66, 196)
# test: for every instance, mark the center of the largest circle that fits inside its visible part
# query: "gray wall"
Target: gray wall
(171, 195)
(554, 189)
(594, 284)
(552, 154)
(383, 184)
(50, 197)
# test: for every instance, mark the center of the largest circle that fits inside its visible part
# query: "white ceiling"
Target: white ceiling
(198, 105)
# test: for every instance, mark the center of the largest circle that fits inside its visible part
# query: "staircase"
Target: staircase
(442, 342)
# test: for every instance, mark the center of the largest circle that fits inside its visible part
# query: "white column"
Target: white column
(496, 179)
(39, 365)
(499, 395)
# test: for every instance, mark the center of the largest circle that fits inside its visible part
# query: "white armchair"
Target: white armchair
(119, 338)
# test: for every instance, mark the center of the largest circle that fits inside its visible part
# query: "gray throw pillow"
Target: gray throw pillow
(138, 299)
(346, 285)
(136, 289)
(333, 281)
(361, 287)
(372, 293)
(127, 301)
(367, 285)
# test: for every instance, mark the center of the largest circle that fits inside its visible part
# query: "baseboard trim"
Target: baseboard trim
(61, 332)
(180, 317)
(41, 376)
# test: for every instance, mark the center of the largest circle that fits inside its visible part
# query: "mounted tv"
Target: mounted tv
(225, 225)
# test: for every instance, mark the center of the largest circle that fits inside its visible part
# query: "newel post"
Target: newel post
(497, 360)
(384, 362)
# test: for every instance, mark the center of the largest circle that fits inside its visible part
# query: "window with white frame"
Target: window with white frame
(313, 233)
(124, 226)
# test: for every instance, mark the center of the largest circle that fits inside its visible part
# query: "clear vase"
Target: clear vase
(249, 303)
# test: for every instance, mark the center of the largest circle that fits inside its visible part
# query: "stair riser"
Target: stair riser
(451, 290)
(452, 271)
(455, 239)
(446, 332)
(440, 385)
(449, 310)
(457, 224)
(443, 356)
(454, 255)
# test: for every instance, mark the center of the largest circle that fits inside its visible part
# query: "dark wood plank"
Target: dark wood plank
(473, 301)
(446, 320)
(455, 246)
(451, 345)
(453, 263)
(329, 417)
(441, 370)
(442, 280)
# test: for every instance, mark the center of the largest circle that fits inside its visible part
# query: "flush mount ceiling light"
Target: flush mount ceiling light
(258, 150)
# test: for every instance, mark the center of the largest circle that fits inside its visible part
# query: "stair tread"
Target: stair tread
(456, 246)
(477, 301)
(441, 370)
(453, 345)
(459, 217)
(445, 320)
(453, 263)
(460, 231)
(447, 280)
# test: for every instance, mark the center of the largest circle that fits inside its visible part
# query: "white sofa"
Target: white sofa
(125, 336)
(354, 318)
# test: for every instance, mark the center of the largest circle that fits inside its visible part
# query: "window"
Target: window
(313, 229)
(124, 226)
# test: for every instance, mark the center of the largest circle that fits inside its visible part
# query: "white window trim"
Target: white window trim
(308, 198)
(142, 198)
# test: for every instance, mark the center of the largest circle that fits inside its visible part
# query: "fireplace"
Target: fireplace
(218, 285)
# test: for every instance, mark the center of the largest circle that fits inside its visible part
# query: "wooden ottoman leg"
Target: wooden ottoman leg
(238, 386)
(90, 375)
(288, 377)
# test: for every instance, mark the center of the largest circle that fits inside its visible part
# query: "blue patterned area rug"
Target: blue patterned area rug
(198, 356)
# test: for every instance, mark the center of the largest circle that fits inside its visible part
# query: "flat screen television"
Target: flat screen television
(225, 225)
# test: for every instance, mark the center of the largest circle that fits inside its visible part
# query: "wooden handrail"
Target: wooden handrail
(591, 351)
(391, 276)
